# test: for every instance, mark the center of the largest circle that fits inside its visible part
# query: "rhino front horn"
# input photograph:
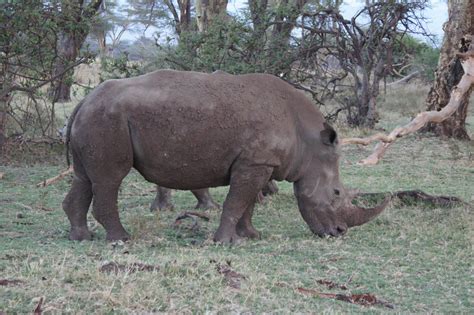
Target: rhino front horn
(355, 215)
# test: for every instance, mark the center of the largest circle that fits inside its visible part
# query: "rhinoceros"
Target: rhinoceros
(190, 130)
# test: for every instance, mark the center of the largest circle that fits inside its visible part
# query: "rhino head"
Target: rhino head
(324, 203)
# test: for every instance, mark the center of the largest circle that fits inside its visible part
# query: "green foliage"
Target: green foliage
(29, 39)
(229, 45)
(117, 68)
(412, 54)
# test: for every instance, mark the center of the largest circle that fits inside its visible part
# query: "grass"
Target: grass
(418, 258)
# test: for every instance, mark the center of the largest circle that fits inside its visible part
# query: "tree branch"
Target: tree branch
(463, 88)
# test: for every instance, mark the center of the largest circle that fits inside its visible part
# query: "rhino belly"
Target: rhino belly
(184, 157)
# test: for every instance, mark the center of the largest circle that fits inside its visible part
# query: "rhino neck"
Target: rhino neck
(300, 161)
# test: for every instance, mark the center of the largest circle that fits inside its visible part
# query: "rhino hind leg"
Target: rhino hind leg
(244, 227)
(162, 200)
(270, 188)
(204, 199)
(76, 205)
(105, 210)
(245, 184)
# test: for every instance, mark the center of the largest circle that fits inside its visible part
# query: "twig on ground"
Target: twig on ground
(364, 299)
(57, 178)
(38, 310)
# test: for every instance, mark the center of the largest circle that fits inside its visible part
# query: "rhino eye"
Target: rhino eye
(337, 192)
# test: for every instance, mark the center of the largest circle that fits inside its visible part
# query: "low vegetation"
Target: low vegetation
(414, 257)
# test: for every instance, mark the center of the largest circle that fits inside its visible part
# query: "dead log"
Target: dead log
(460, 91)
(56, 178)
(410, 196)
(405, 79)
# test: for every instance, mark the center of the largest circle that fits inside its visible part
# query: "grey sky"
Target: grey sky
(436, 15)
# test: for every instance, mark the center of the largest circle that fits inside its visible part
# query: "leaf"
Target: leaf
(232, 277)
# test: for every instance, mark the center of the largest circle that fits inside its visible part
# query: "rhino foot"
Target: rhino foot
(248, 231)
(226, 238)
(113, 236)
(80, 234)
(207, 205)
(161, 206)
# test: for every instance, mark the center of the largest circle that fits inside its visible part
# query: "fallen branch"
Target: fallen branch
(191, 215)
(405, 79)
(463, 88)
(408, 196)
(364, 299)
(54, 179)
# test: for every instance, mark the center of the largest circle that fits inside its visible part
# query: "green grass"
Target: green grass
(418, 258)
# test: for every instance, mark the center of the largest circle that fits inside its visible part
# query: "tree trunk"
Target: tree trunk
(457, 38)
(209, 10)
(101, 40)
(182, 21)
(67, 53)
(185, 15)
(70, 40)
(3, 122)
(258, 11)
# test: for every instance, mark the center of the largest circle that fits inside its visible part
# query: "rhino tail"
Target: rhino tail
(68, 130)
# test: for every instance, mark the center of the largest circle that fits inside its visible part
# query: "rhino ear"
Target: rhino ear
(328, 135)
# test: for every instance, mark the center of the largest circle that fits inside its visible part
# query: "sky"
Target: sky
(435, 15)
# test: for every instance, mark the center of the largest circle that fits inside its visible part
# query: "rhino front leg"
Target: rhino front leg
(76, 205)
(245, 184)
(105, 211)
(204, 199)
(162, 200)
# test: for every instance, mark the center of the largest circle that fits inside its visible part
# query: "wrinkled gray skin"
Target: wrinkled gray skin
(188, 130)
(204, 199)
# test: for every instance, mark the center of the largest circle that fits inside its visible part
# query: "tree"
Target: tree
(27, 55)
(181, 21)
(207, 11)
(458, 35)
(362, 50)
(76, 18)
